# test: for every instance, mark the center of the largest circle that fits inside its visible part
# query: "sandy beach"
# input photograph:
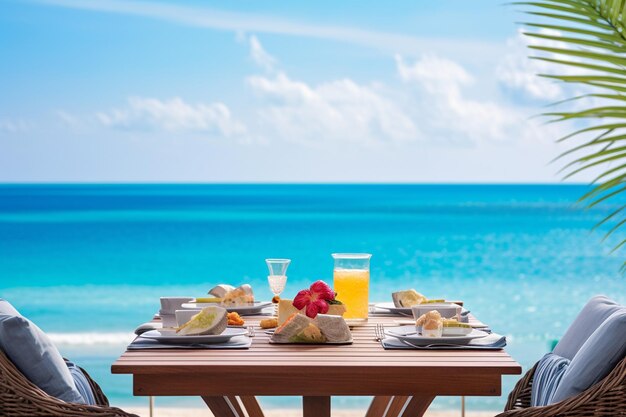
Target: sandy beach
(204, 412)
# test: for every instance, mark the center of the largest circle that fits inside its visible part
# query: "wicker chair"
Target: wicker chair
(21, 398)
(607, 398)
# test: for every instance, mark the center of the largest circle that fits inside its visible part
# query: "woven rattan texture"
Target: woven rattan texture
(21, 398)
(605, 399)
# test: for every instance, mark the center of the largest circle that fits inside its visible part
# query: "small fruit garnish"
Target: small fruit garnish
(234, 319)
(316, 299)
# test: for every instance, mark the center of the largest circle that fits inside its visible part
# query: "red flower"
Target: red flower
(315, 299)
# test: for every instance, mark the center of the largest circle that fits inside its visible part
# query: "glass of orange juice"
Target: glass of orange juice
(351, 279)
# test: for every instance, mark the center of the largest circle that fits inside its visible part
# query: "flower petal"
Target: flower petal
(312, 309)
(322, 306)
(322, 290)
(302, 299)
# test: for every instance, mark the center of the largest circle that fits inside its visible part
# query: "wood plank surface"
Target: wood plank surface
(362, 368)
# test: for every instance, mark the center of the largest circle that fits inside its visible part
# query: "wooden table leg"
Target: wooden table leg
(399, 406)
(417, 406)
(316, 406)
(223, 406)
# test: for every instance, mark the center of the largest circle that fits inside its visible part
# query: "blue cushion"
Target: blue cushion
(33, 353)
(597, 357)
(7, 309)
(590, 317)
(548, 374)
(81, 382)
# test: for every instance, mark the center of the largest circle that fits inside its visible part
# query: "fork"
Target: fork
(250, 331)
(379, 330)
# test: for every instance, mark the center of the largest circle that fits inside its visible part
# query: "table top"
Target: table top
(362, 368)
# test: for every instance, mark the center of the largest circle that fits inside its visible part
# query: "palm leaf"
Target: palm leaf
(587, 37)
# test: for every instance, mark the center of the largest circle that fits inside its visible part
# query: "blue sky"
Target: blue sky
(270, 91)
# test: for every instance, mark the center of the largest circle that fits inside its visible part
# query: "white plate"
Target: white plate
(244, 310)
(404, 311)
(170, 336)
(409, 334)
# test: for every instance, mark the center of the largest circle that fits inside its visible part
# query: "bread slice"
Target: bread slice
(291, 328)
(210, 320)
(334, 328)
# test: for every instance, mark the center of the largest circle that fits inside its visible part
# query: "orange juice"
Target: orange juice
(352, 288)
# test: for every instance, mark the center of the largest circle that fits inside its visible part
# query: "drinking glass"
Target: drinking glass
(278, 274)
(351, 279)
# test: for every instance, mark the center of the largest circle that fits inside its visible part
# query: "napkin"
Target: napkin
(237, 342)
(492, 341)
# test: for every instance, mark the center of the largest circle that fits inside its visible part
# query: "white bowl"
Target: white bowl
(447, 310)
(170, 304)
(183, 316)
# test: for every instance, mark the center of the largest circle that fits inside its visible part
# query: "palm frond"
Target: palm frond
(587, 37)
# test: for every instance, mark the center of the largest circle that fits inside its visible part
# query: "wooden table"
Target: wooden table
(318, 372)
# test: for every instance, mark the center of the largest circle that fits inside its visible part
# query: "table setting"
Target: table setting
(319, 315)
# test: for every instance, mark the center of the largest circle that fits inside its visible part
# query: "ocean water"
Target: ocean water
(88, 263)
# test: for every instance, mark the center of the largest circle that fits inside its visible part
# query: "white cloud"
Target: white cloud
(260, 56)
(444, 109)
(174, 115)
(517, 71)
(340, 110)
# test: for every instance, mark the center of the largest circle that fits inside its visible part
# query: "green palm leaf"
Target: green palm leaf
(588, 38)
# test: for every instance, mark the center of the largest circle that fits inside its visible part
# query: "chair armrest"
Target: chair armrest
(519, 398)
(606, 398)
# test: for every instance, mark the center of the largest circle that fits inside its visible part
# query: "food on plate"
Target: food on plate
(286, 309)
(431, 323)
(334, 328)
(318, 299)
(291, 327)
(215, 300)
(219, 291)
(234, 319)
(302, 329)
(269, 323)
(241, 295)
(452, 327)
(310, 334)
(410, 298)
(210, 320)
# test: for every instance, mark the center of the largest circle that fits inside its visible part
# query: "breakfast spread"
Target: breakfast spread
(323, 328)
(210, 320)
(319, 298)
(410, 298)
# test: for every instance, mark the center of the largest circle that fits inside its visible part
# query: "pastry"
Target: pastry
(241, 295)
(431, 323)
(269, 323)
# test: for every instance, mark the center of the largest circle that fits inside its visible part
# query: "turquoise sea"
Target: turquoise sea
(88, 262)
